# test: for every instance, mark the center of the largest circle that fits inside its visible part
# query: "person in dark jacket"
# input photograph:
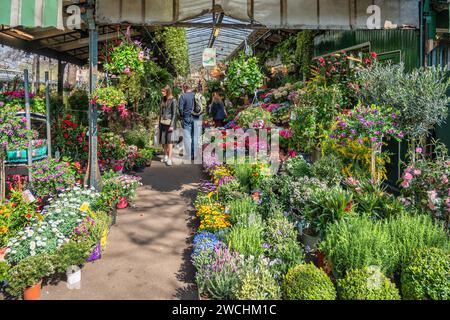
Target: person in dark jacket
(217, 110)
(167, 120)
(191, 124)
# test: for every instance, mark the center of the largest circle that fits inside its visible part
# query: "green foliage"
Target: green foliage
(254, 117)
(243, 173)
(427, 276)
(329, 169)
(420, 95)
(327, 206)
(305, 51)
(282, 245)
(247, 240)
(110, 97)
(78, 102)
(71, 254)
(315, 113)
(138, 137)
(367, 284)
(126, 58)
(4, 268)
(243, 76)
(307, 282)
(358, 243)
(240, 210)
(256, 282)
(28, 273)
(176, 46)
(412, 232)
(231, 190)
(152, 81)
(297, 167)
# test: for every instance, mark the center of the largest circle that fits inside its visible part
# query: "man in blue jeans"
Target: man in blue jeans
(191, 124)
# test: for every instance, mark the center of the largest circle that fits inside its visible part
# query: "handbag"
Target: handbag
(166, 122)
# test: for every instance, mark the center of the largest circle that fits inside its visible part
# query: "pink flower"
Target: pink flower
(405, 184)
(419, 150)
(417, 172)
(106, 109)
(141, 56)
(408, 176)
(292, 153)
(124, 114)
(444, 179)
(127, 70)
(286, 133)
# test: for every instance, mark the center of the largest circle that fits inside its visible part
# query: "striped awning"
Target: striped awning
(32, 13)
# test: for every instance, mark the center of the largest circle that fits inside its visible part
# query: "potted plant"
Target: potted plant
(26, 277)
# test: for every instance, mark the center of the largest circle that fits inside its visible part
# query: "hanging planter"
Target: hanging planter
(33, 292)
(123, 203)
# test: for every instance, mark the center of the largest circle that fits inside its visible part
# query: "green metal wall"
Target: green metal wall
(381, 41)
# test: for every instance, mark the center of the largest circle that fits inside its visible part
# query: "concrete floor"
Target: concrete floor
(147, 254)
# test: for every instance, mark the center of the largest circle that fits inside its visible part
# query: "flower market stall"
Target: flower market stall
(324, 223)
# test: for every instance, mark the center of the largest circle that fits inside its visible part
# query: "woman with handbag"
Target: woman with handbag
(167, 120)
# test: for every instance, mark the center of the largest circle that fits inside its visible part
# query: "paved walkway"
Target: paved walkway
(147, 254)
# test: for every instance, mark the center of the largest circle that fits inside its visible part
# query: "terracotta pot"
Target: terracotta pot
(33, 293)
(123, 203)
(2, 254)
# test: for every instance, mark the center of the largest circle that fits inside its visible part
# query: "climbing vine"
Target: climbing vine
(176, 47)
(304, 51)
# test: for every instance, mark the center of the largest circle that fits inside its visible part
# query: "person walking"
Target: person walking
(217, 110)
(191, 107)
(167, 121)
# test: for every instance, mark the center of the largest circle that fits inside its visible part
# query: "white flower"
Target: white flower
(32, 245)
(8, 251)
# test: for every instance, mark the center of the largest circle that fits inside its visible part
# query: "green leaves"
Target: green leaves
(176, 46)
(427, 276)
(243, 76)
(420, 95)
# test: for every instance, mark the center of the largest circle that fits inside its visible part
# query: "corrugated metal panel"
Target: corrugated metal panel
(381, 41)
(274, 14)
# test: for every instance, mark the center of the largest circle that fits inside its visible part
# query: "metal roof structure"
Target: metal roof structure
(224, 39)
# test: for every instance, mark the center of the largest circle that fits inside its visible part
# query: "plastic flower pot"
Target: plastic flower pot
(96, 253)
(73, 277)
(123, 203)
(2, 254)
(33, 293)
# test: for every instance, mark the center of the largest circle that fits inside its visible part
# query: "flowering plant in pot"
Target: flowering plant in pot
(26, 277)
(368, 124)
(16, 101)
(425, 183)
(109, 99)
(51, 177)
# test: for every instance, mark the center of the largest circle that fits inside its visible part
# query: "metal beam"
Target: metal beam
(20, 44)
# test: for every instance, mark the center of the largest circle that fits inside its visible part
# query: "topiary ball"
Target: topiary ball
(367, 284)
(427, 275)
(307, 282)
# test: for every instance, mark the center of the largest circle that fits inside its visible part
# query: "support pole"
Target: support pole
(61, 67)
(47, 107)
(93, 177)
(37, 77)
(28, 116)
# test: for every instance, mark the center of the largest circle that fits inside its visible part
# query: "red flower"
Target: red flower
(349, 206)
(28, 216)
(66, 135)
(374, 55)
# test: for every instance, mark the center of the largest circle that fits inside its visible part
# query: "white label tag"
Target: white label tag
(28, 196)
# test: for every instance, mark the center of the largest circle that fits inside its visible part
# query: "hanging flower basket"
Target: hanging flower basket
(123, 203)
